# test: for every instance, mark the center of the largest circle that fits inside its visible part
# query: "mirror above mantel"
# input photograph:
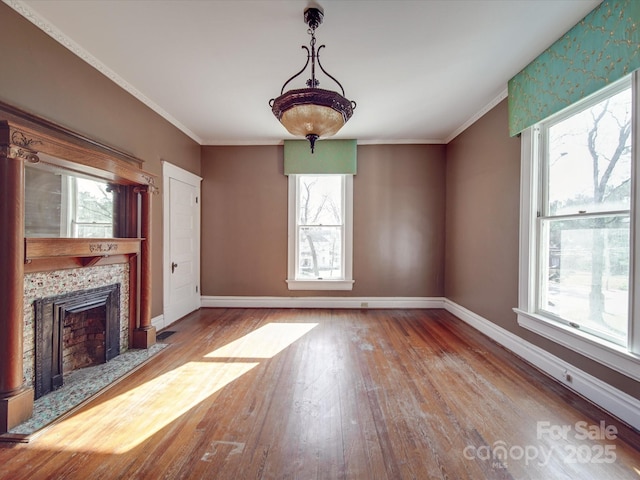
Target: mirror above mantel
(73, 219)
(74, 188)
(65, 204)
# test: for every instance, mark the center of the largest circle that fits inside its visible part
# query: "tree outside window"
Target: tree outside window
(320, 227)
(584, 220)
(91, 209)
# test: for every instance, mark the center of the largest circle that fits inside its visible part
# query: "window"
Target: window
(577, 229)
(89, 208)
(320, 232)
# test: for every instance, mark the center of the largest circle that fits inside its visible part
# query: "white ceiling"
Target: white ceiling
(420, 71)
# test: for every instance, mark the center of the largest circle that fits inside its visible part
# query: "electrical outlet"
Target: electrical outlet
(364, 305)
(566, 376)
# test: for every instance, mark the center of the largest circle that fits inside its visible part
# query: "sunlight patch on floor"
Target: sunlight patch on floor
(265, 342)
(159, 402)
(105, 428)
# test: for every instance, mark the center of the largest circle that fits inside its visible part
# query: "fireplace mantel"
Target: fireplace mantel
(47, 254)
(25, 138)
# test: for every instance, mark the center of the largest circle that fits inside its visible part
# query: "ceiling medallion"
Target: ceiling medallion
(312, 112)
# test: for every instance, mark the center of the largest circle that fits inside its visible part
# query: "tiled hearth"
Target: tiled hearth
(82, 385)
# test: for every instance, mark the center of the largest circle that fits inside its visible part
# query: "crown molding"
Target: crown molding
(474, 118)
(51, 30)
(246, 143)
(403, 141)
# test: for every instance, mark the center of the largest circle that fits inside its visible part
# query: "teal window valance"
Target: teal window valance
(602, 48)
(330, 156)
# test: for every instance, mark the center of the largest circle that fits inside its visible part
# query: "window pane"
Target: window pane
(320, 200)
(94, 231)
(320, 253)
(94, 202)
(589, 159)
(586, 273)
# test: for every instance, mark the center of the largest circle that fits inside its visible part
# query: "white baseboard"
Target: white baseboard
(322, 302)
(158, 322)
(163, 321)
(618, 403)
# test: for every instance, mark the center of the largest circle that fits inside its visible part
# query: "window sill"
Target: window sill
(320, 284)
(601, 351)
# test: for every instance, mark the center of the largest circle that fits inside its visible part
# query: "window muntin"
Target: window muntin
(584, 216)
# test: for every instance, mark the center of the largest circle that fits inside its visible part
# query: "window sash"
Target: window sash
(624, 359)
(573, 306)
(335, 272)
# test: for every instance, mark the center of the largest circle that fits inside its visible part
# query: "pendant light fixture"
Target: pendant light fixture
(312, 112)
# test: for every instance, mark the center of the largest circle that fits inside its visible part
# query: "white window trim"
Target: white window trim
(67, 202)
(625, 361)
(347, 282)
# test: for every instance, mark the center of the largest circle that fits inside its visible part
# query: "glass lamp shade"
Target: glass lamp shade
(305, 119)
(312, 111)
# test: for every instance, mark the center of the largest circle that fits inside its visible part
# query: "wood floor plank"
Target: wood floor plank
(328, 394)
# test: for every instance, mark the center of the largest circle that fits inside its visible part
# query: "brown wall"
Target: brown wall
(398, 222)
(42, 77)
(399, 195)
(244, 221)
(482, 210)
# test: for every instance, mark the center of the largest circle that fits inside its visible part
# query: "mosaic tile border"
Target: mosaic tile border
(48, 284)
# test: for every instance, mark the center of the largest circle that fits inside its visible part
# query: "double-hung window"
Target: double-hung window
(579, 234)
(320, 232)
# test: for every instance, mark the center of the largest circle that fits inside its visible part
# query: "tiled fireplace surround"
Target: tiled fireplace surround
(49, 284)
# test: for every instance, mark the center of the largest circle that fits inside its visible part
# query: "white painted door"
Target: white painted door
(181, 243)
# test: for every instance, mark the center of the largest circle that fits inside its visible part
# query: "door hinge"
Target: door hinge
(196, 199)
(196, 288)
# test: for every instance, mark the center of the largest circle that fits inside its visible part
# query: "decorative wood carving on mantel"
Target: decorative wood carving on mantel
(25, 137)
(46, 254)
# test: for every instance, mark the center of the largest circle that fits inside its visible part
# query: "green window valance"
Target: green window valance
(330, 156)
(602, 48)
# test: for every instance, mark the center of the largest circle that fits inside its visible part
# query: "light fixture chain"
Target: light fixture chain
(312, 82)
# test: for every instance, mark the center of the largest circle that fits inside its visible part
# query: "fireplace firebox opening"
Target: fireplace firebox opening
(73, 331)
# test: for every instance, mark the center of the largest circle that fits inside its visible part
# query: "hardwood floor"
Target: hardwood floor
(329, 394)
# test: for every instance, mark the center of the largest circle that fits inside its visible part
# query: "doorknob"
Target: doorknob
(174, 265)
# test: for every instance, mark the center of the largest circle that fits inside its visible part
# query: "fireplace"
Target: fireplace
(25, 257)
(73, 331)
